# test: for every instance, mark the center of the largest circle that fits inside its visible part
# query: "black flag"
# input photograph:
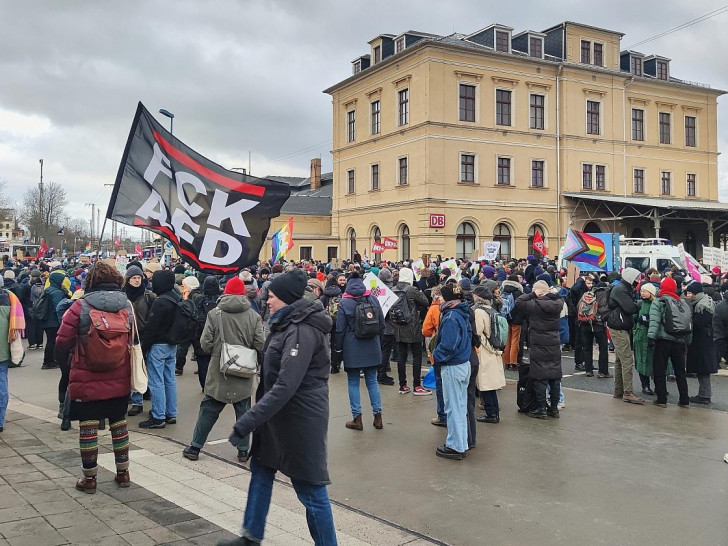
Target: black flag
(216, 219)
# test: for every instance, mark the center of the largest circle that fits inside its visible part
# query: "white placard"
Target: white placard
(384, 295)
(417, 267)
(723, 260)
(490, 249)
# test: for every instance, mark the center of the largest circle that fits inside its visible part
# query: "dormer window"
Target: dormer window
(357, 67)
(535, 47)
(399, 45)
(636, 66)
(502, 40)
(598, 54)
(377, 54)
(585, 51)
(662, 70)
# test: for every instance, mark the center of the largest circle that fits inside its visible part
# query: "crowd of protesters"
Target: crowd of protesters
(304, 321)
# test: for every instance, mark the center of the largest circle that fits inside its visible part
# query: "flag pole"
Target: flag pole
(101, 236)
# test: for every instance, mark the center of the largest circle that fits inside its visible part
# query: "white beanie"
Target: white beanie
(649, 287)
(191, 282)
(630, 274)
(406, 275)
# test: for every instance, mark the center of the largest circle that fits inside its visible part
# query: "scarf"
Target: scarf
(703, 304)
(17, 319)
(445, 305)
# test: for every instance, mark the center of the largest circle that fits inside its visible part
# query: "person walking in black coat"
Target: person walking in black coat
(357, 353)
(720, 326)
(289, 422)
(543, 306)
(702, 359)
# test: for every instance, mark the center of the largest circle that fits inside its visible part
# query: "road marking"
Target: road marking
(215, 442)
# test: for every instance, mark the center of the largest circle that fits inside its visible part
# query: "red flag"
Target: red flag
(538, 244)
(42, 249)
(139, 249)
(117, 242)
(390, 243)
(378, 248)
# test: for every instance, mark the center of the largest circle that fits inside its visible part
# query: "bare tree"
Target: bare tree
(43, 216)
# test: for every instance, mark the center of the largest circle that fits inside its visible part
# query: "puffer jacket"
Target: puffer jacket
(656, 329)
(87, 384)
(57, 292)
(515, 289)
(241, 325)
(544, 345)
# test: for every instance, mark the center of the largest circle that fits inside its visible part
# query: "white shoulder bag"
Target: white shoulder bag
(236, 360)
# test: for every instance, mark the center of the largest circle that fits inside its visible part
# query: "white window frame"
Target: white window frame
(399, 180)
(300, 252)
(511, 171)
(371, 176)
(350, 137)
(396, 108)
(696, 184)
(644, 180)
(400, 41)
(371, 133)
(495, 106)
(545, 176)
(545, 111)
(475, 168)
(357, 67)
(477, 101)
(586, 118)
(374, 54)
(697, 142)
(672, 187)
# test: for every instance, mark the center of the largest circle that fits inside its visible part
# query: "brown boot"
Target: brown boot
(378, 421)
(87, 485)
(631, 398)
(122, 479)
(355, 424)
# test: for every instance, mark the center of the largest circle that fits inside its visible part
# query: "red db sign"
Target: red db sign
(437, 220)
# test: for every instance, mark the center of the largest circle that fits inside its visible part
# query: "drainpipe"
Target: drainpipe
(558, 156)
(624, 132)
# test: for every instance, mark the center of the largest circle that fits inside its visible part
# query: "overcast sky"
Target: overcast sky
(248, 75)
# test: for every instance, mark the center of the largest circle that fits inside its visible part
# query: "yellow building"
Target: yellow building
(499, 135)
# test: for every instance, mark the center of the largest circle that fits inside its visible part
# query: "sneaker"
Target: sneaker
(632, 399)
(699, 400)
(177, 371)
(31, 347)
(384, 379)
(605, 375)
(553, 412)
(648, 391)
(449, 453)
(419, 390)
(494, 419)
(52, 366)
(170, 420)
(135, 410)
(191, 453)
(438, 422)
(404, 389)
(153, 423)
(591, 374)
(579, 368)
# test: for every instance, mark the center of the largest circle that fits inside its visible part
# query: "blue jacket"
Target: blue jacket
(454, 337)
(357, 353)
(57, 293)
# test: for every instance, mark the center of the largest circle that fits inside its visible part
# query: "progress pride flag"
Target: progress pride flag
(216, 219)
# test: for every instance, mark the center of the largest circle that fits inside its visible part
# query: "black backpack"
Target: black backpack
(186, 322)
(400, 313)
(366, 319)
(42, 305)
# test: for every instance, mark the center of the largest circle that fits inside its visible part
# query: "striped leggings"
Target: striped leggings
(89, 442)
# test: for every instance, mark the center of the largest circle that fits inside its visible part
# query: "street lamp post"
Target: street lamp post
(170, 115)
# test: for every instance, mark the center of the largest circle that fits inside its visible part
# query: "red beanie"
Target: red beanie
(235, 286)
(668, 286)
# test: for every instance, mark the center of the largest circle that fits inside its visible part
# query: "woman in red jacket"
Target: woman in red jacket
(97, 330)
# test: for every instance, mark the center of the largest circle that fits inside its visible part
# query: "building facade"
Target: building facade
(445, 142)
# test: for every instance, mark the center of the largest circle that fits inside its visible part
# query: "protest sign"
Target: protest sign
(384, 295)
(490, 249)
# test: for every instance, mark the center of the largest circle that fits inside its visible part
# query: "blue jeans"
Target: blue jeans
(3, 391)
(561, 391)
(455, 380)
(162, 382)
(314, 497)
(370, 379)
(438, 395)
(137, 398)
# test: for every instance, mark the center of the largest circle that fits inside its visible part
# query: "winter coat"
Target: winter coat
(332, 291)
(643, 353)
(241, 326)
(454, 338)
(544, 345)
(4, 325)
(142, 306)
(291, 416)
(85, 383)
(357, 353)
(57, 292)
(412, 332)
(720, 321)
(490, 370)
(656, 328)
(432, 320)
(265, 312)
(161, 315)
(516, 290)
(623, 307)
(702, 358)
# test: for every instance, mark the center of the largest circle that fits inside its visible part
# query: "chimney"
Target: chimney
(315, 173)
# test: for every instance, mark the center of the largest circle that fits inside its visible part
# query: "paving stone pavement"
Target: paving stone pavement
(171, 500)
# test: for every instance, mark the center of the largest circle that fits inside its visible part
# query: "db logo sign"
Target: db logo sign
(437, 220)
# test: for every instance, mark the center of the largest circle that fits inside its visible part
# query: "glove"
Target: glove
(651, 343)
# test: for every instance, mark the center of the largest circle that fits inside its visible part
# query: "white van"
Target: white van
(643, 254)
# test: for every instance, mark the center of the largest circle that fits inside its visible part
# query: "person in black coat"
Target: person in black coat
(290, 419)
(720, 326)
(543, 306)
(701, 359)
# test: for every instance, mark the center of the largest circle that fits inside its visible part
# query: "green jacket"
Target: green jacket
(657, 323)
(242, 326)
(643, 353)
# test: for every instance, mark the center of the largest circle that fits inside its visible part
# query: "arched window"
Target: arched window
(592, 227)
(531, 232)
(502, 233)
(404, 241)
(465, 240)
(637, 233)
(690, 242)
(352, 243)
(376, 238)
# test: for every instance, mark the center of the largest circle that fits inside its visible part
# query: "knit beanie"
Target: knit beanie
(234, 286)
(545, 277)
(406, 275)
(288, 287)
(489, 271)
(451, 292)
(694, 288)
(465, 284)
(179, 270)
(482, 292)
(649, 287)
(315, 283)
(132, 271)
(540, 288)
(9, 274)
(191, 283)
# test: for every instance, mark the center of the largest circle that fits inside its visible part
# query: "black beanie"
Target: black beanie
(694, 288)
(288, 287)
(451, 292)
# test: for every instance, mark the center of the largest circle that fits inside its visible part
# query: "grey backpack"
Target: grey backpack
(678, 317)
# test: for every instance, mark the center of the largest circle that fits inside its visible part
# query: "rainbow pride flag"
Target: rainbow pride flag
(585, 248)
(282, 241)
